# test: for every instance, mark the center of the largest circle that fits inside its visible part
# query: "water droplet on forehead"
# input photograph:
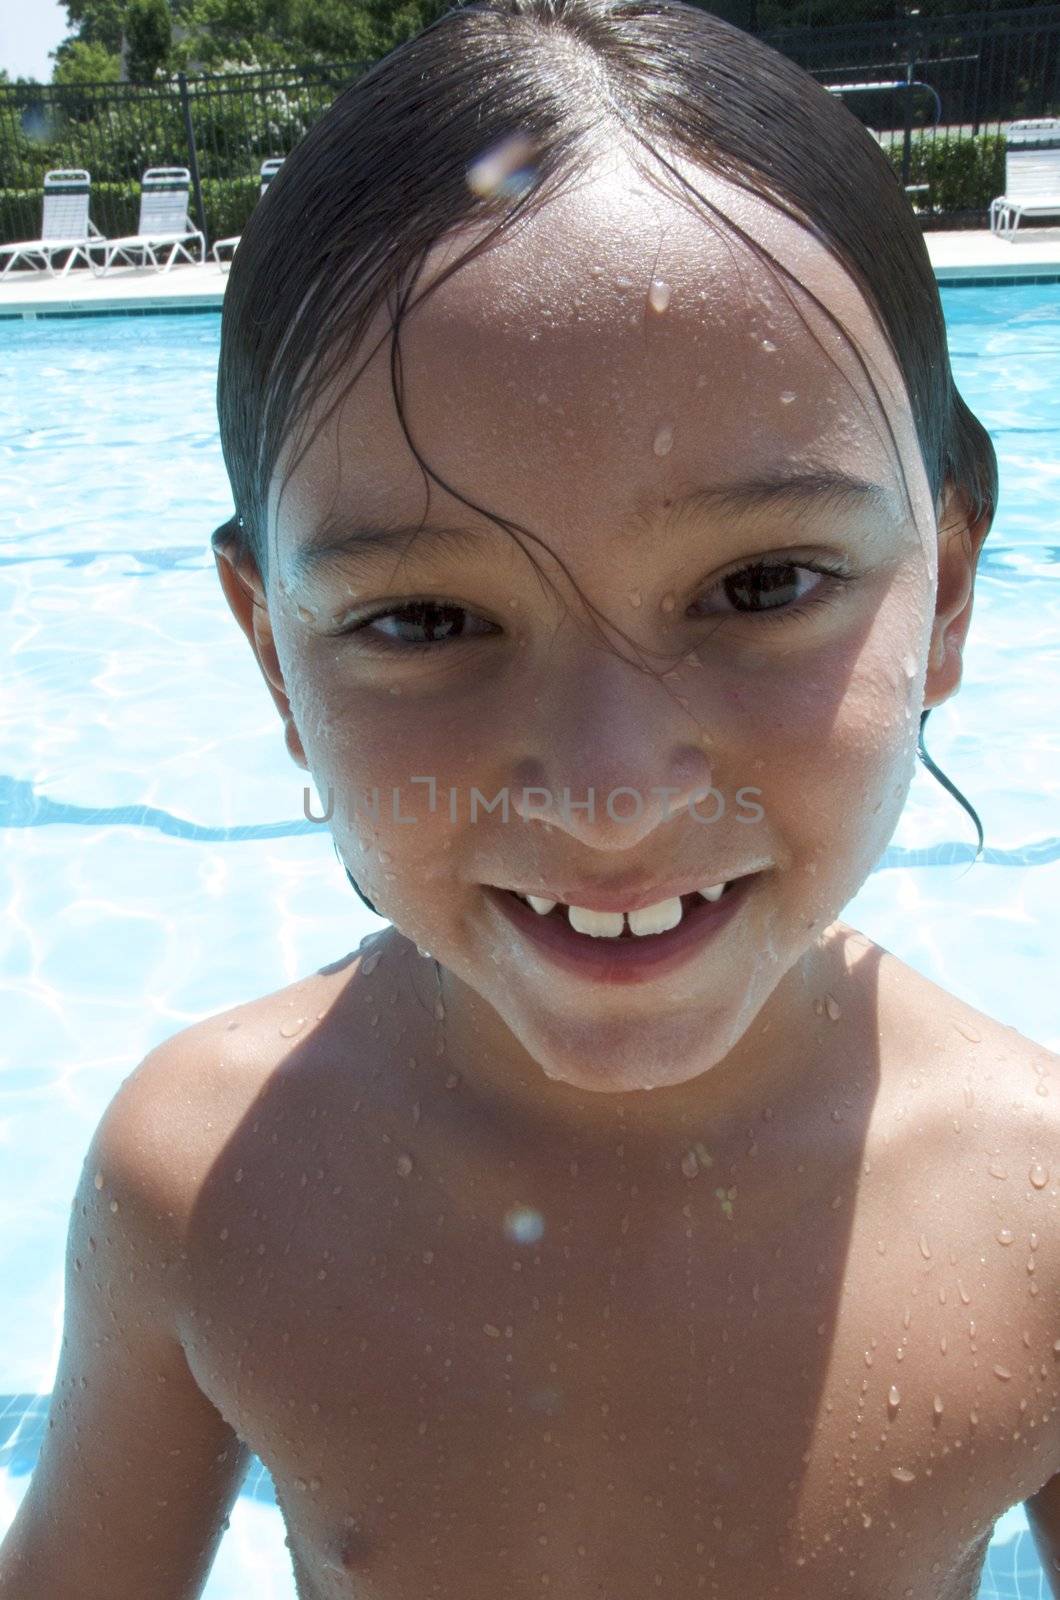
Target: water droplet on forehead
(659, 295)
(768, 345)
(787, 396)
(664, 439)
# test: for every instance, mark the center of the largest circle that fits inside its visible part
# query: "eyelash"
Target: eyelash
(823, 594)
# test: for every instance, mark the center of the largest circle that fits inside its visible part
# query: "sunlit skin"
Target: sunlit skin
(536, 384)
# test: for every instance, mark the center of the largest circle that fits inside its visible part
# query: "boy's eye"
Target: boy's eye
(431, 623)
(774, 588)
(782, 587)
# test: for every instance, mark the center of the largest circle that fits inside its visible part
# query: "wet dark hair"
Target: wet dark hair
(348, 222)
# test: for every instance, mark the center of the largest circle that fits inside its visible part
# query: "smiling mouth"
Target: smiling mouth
(618, 954)
(595, 926)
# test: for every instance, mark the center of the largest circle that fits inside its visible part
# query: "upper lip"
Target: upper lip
(616, 897)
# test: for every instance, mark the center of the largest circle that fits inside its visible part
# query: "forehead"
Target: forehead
(608, 352)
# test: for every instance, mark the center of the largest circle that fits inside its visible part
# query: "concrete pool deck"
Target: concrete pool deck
(961, 256)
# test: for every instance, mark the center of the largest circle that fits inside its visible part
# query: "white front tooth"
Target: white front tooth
(714, 892)
(541, 906)
(664, 914)
(600, 924)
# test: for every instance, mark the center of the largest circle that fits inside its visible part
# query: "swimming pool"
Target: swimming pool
(152, 821)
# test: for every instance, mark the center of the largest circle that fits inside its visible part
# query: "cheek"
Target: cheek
(364, 749)
(834, 736)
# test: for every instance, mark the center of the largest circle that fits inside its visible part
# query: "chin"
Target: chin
(618, 1060)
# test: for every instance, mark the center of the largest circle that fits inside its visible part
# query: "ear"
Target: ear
(960, 541)
(245, 593)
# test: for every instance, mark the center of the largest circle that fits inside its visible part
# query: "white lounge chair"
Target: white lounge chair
(269, 169)
(65, 224)
(164, 223)
(1032, 175)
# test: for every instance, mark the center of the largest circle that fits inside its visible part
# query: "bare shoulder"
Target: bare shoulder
(924, 1021)
(185, 1102)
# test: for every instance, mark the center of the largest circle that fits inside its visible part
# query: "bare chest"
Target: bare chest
(467, 1381)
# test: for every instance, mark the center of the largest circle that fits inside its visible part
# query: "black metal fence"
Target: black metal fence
(939, 90)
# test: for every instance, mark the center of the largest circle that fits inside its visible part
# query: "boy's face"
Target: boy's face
(543, 383)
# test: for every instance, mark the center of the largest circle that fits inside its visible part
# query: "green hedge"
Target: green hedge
(964, 174)
(115, 208)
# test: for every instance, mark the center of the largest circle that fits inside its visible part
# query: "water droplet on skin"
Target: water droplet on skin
(623, 283)
(787, 396)
(690, 1164)
(831, 1005)
(404, 1165)
(768, 345)
(659, 295)
(306, 614)
(426, 954)
(968, 1032)
(1039, 1177)
(909, 666)
(894, 1399)
(114, 1205)
(439, 1010)
(664, 439)
(1004, 1236)
(289, 1029)
(98, 1180)
(903, 1474)
(369, 964)
(490, 1330)
(667, 603)
(452, 1080)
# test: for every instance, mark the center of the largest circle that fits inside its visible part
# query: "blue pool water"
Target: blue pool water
(154, 864)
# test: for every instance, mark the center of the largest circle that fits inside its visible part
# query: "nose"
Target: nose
(612, 754)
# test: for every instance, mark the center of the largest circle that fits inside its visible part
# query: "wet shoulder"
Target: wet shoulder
(212, 1080)
(921, 1025)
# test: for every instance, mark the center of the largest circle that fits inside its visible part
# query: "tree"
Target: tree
(95, 22)
(147, 26)
(78, 61)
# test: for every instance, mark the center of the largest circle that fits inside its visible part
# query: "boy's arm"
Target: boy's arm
(1043, 1514)
(137, 1469)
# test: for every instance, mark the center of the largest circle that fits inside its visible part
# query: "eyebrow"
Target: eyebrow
(340, 539)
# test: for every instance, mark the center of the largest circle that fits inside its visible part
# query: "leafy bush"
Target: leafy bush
(964, 173)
